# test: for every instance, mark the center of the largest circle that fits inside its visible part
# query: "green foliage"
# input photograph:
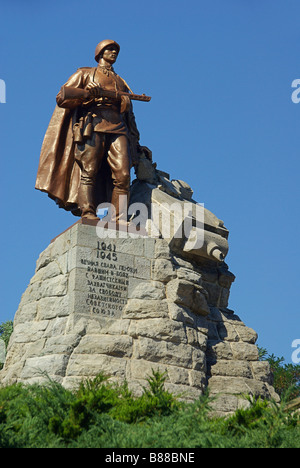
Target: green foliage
(6, 330)
(97, 397)
(286, 376)
(270, 424)
(100, 414)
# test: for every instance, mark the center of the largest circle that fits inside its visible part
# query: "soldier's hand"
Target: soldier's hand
(94, 90)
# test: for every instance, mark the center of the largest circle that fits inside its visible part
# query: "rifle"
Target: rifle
(117, 95)
(78, 93)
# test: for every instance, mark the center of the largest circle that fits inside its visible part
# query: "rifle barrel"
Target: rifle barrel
(138, 97)
(134, 97)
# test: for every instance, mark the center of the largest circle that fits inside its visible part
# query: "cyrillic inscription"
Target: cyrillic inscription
(107, 281)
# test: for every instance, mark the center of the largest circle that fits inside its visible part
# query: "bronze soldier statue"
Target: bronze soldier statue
(92, 140)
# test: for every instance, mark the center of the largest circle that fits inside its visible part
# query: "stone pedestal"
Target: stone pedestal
(104, 301)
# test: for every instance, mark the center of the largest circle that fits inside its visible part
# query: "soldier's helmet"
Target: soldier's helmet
(101, 46)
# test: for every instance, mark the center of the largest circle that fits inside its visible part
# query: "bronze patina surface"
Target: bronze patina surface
(92, 140)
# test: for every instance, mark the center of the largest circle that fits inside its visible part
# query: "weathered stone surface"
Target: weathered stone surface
(181, 292)
(227, 332)
(127, 306)
(63, 344)
(246, 334)
(50, 270)
(237, 386)
(184, 189)
(244, 351)
(232, 369)
(181, 314)
(189, 275)
(174, 375)
(199, 305)
(218, 350)
(158, 329)
(225, 405)
(54, 364)
(165, 352)
(28, 333)
(161, 249)
(93, 364)
(189, 295)
(109, 327)
(261, 371)
(141, 309)
(163, 270)
(49, 308)
(145, 291)
(105, 344)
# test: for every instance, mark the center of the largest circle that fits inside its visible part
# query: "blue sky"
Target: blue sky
(221, 118)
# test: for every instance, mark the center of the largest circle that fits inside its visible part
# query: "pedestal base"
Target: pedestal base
(110, 302)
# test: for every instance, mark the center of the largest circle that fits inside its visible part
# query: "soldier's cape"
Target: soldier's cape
(58, 175)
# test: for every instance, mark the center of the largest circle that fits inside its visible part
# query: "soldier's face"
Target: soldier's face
(110, 54)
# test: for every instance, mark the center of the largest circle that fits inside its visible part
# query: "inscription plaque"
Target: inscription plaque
(105, 280)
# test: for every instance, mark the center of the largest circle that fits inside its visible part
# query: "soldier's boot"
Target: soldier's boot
(86, 202)
(119, 201)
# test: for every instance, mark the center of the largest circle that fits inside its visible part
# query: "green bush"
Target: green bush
(6, 330)
(266, 425)
(286, 376)
(102, 415)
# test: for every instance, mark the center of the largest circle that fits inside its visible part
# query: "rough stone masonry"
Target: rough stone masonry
(124, 305)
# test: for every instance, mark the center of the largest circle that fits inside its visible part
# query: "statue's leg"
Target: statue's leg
(89, 157)
(118, 160)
